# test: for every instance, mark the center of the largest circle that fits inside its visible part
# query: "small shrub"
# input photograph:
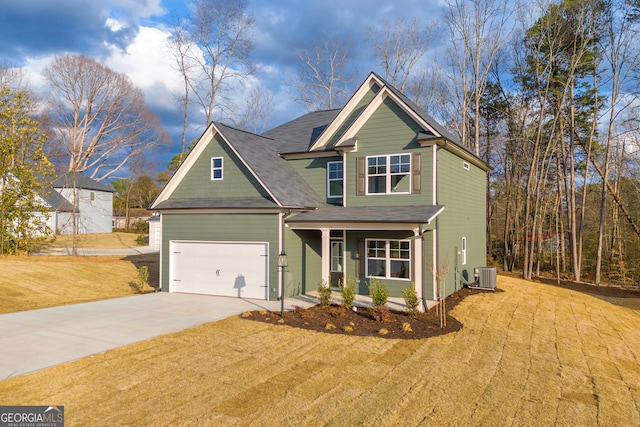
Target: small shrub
(143, 279)
(406, 327)
(325, 294)
(140, 240)
(330, 326)
(281, 321)
(348, 291)
(383, 331)
(379, 292)
(348, 328)
(246, 314)
(411, 300)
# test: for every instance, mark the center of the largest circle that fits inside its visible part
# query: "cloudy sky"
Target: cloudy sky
(130, 37)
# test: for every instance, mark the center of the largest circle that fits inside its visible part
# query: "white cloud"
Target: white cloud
(149, 64)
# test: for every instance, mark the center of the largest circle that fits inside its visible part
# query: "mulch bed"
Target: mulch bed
(336, 319)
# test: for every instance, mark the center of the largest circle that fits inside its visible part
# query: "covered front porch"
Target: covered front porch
(396, 245)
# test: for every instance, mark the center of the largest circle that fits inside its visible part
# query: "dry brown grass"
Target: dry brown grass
(534, 354)
(113, 240)
(29, 282)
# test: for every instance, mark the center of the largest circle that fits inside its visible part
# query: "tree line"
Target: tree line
(545, 92)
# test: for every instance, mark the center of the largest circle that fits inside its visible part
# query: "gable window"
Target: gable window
(216, 168)
(335, 179)
(389, 174)
(388, 259)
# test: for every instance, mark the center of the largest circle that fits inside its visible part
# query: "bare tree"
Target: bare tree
(222, 32)
(478, 30)
(182, 48)
(619, 48)
(12, 76)
(399, 45)
(324, 77)
(256, 113)
(99, 119)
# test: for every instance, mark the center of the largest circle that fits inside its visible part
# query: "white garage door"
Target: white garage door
(214, 268)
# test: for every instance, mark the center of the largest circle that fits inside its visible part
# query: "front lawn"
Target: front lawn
(535, 354)
(30, 282)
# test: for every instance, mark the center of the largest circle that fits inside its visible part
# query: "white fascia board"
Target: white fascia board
(220, 211)
(351, 226)
(346, 111)
(193, 156)
(375, 103)
(186, 165)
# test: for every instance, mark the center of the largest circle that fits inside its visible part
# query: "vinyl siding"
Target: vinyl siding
(236, 182)
(314, 172)
(389, 131)
(354, 115)
(223, 228)
(304, 251)
(463, 193)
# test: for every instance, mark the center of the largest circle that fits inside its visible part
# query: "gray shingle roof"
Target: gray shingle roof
(82, 181)
(362, 214)
(299, 134)
(261, 156)
(220, 203)
(57, 202)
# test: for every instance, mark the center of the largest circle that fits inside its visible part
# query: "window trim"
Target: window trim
(388, 174)
(464, 250)
(387, 259)
(221, 169)
(329, 181)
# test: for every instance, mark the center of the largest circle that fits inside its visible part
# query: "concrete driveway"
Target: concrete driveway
(37, 339)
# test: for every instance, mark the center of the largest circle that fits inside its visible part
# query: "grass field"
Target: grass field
(100, 241)
(30, 282)
(532, 354)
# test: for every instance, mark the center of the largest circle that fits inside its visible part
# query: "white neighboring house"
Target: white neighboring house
(60, 212)
(95, 205)
(155, 231)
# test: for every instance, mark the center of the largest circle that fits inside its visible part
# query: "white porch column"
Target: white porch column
(326, 254)
(418, 262)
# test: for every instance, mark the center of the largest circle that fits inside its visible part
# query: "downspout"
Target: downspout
(434, 201)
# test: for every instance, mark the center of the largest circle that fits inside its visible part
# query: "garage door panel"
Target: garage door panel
(214, 268)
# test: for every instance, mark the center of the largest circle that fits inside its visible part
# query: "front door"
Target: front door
(337, 263)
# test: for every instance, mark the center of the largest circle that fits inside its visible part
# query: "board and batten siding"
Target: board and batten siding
(228, 227)
(390, 130)
(463, 194)
(237, 182)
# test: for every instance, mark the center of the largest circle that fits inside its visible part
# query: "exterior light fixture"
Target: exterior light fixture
(283, 262)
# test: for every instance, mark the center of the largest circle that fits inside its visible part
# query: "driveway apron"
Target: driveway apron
(37, 339)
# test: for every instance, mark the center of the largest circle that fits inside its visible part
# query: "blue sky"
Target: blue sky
(130, 35)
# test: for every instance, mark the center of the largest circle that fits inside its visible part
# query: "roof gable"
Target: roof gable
(258, 156)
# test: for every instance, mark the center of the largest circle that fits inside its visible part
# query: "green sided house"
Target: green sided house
(377, 189)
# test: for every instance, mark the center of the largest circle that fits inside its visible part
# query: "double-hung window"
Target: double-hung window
(389, 259)
(335, 180)
(389, 174)
(216, 168)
